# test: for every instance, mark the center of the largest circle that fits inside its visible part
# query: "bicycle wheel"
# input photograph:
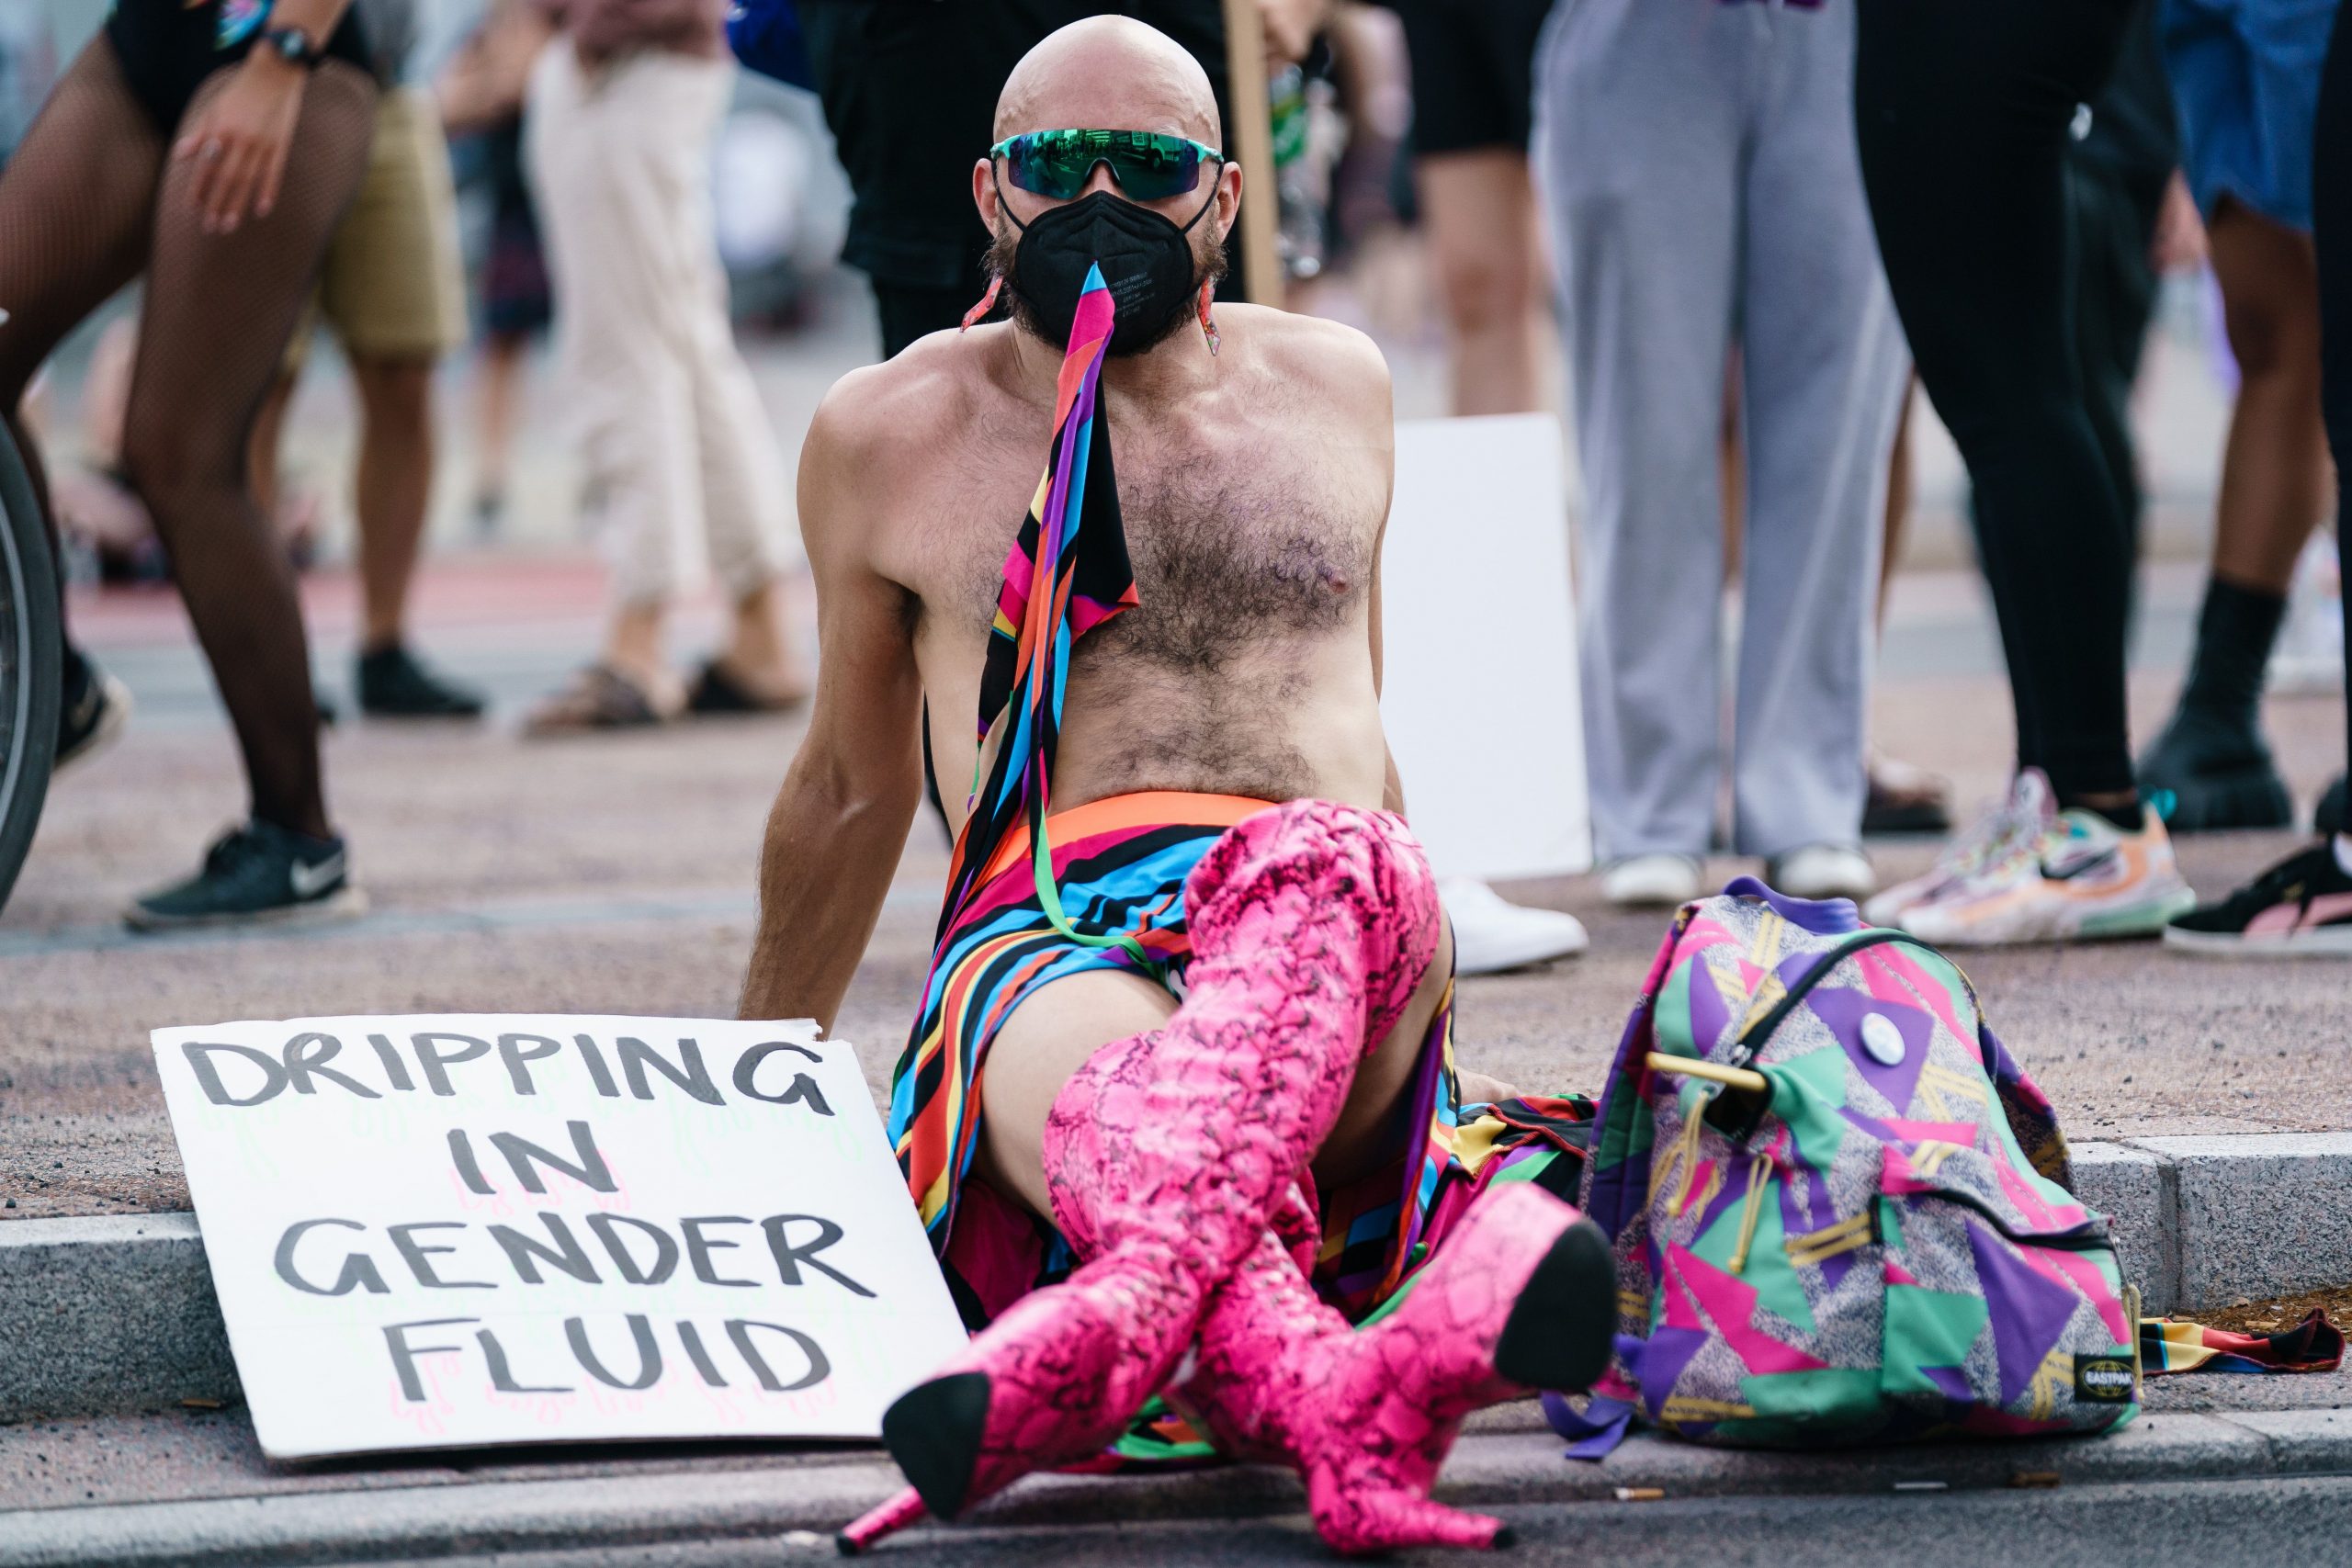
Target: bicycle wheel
(30, 649)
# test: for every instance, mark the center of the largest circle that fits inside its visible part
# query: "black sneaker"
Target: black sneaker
(95, 708)
(2300, 908)
(256, 873)
(2218, 775)
(394, 685)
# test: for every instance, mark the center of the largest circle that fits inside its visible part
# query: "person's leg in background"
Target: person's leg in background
(1472, 89)
(1899, 797)
(2116, 177)
(2303, 905)
(515, 310)
(1470, 124)
(501, 365)
(1637, 148)
(744, 485)
(599, 163)
(2332, 243)
(215, 318)
(76, 207)
(2246, 78)
(392, 290)
(1822, 366)
(395, 293)
(1962, 107)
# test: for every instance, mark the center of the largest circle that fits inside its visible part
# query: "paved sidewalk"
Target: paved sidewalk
(615, 874)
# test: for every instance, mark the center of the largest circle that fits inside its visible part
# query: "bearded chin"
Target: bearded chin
(1208, 267)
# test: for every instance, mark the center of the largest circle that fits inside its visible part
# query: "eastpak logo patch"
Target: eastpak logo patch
(2107, 1380)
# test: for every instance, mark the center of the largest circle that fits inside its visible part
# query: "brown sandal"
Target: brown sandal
(600, 697)
(718, 691)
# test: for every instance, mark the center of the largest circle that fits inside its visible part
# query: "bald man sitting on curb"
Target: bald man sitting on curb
(1207, 976)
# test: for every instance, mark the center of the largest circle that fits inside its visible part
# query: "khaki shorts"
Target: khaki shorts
(392, 286)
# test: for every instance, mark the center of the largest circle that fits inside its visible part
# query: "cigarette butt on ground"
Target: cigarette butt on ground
(2034, 1478)
(200, 1403)
(1640, 1494)
(1923, 1486)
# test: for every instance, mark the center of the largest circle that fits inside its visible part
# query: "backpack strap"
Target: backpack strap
(1752, 1038)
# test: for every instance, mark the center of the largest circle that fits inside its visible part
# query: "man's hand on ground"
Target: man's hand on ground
(1477, 1088)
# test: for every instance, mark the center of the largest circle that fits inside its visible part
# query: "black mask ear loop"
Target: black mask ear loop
(1208, 288)
(979, 312)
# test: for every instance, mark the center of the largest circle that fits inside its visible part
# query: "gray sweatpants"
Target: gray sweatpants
(1697, 163)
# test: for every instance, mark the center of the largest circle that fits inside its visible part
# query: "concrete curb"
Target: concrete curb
(2200, 1221)
(817, 1495)
(2203, 1221)
(110, 1314)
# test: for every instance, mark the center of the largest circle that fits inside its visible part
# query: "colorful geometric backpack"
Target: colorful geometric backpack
(1840, 1207)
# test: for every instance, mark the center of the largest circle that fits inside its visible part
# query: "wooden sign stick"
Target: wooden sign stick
(1249, 136)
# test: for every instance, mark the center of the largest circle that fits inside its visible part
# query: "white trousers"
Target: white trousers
(670, 428)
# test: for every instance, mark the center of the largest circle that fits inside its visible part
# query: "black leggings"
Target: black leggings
(90, 200)
(1963, 108)
(2332, 232)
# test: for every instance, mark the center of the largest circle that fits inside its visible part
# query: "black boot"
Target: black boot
(392, 685)
(2212, 760)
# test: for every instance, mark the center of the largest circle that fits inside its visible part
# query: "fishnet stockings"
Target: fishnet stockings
(85, 202)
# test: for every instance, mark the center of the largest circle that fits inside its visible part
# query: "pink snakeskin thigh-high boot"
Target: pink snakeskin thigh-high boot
(1523, 1297)
(1311, 924)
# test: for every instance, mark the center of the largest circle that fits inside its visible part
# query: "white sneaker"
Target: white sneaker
(1492, 934)
(2080, 877)
(1649, 881)
(1822, 871)
(2021, 812)
(2308, 658)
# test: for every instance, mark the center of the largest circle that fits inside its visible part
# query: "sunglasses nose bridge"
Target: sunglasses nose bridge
(1100, 176)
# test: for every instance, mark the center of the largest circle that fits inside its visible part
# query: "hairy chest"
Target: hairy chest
(1233, 547)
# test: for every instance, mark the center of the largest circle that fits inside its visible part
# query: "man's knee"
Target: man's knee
(1323, 847)
(1307, 863)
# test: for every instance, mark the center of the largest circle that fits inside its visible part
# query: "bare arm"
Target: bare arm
(840, 821)
(485, 83)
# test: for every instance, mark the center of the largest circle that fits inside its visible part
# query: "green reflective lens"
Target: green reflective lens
(1147, 165)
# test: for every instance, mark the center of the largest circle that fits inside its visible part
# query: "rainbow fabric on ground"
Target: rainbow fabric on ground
(2176, 1345)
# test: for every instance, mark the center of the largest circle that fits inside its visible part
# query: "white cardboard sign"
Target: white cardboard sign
(456, 1230)
(1478, 627)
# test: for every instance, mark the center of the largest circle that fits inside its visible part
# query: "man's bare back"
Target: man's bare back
(1252, 499)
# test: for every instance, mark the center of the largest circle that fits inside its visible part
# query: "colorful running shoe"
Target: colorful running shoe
(2302, 907)
(2022, 812)
(2080, 877)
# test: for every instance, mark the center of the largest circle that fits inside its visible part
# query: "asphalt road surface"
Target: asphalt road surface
(2296, 1522)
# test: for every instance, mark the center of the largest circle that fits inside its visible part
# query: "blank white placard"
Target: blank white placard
(1478, 625)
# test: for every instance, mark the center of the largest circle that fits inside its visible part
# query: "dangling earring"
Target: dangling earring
(1208, 322)
(988, 302)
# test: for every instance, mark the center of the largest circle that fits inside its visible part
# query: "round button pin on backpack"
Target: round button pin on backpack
(1881, 1040)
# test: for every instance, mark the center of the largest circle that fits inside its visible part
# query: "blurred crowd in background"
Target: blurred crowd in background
(1653, 216)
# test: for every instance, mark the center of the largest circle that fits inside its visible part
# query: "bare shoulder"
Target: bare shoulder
(906, 403)
(876, 438)
(1314, 354)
